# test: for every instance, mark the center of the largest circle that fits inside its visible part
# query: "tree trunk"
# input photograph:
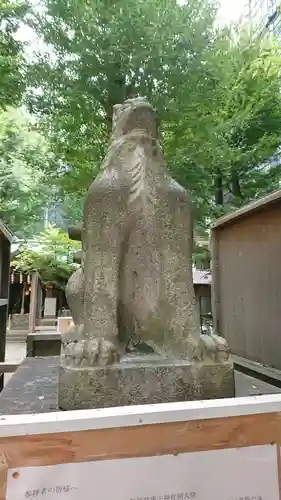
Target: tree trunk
(218, 189)
(235, 184)
(116, 90)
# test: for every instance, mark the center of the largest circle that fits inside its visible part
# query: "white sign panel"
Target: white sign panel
(233, 474)
(50, 306)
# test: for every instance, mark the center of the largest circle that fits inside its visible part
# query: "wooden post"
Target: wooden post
(215, 295)
(38, 304)
(22, 296)
(33, 302)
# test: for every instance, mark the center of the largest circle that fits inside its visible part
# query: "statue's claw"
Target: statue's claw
(80, 351)
(214, 348)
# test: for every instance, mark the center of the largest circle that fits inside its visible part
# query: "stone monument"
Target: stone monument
(136, 337)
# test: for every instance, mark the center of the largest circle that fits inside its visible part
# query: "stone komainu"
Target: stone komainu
(135, 286)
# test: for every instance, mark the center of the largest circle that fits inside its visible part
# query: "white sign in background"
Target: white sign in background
(233, 474)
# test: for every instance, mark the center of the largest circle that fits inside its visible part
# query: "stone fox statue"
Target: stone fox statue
(136, 281)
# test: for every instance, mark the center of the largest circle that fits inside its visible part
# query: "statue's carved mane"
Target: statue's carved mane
(138, 163)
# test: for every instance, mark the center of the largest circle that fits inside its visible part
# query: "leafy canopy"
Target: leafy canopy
(23, 157)
(104, 52)
(217, 93)
(222, 144)
(51, 255)
(11, 53)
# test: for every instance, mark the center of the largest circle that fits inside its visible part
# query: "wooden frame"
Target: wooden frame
(140, 431)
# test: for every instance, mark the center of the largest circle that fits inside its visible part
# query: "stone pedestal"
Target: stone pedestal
(140, 380)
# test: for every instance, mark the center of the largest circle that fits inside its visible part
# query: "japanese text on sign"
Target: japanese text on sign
(231, 474)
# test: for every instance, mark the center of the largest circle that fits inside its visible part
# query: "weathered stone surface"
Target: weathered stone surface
(33, 388)
(137, 248)
(144, 380)
(135, 285)
(75, 296)
(79, 352)
(138, 243)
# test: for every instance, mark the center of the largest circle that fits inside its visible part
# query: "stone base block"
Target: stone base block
(143, 380)
(43, 344)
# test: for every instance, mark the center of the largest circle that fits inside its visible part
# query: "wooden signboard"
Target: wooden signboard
(206, 450)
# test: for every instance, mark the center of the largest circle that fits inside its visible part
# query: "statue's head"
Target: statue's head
(134, 114)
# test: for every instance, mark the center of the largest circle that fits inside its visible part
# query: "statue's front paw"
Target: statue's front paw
(101, 352)
(214, 348)
(73, 352)
(80, 351)
(72, 346)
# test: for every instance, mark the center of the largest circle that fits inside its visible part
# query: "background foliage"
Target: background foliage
(11, 52)
(217, 94)
(23, 187)
(51, 255)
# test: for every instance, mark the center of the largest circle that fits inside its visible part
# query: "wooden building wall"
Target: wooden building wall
(246, 270)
